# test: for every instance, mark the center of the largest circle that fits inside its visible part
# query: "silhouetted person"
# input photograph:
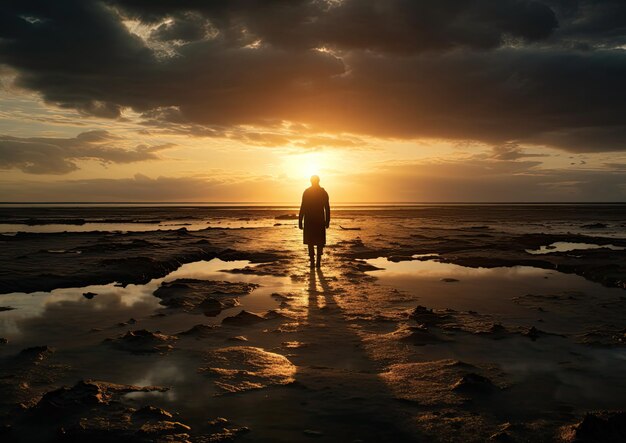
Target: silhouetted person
(315, 212)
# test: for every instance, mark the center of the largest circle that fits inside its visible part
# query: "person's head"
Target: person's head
(315, 180)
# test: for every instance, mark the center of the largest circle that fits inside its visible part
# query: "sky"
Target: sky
(243, 100)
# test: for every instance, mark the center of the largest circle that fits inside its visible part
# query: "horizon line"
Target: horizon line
(364, 203)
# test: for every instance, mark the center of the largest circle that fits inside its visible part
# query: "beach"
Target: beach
(435, 323)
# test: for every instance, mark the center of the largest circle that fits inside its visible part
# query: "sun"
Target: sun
(303, 166)
(312, 169)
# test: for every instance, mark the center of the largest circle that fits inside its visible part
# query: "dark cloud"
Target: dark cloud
(510, 71)
(591, 23)
(44, 155)
(599, 138)
(511, 151)
(171, 121)
(186, 26)
(497, 96)
(386, 25)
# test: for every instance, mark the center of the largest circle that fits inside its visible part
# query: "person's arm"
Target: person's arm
(327, 210)
(301, 213)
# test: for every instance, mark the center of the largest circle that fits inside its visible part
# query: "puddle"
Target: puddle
(493, 291)
(77, 328)
(65, 316)
(190, 225)
(571, 246)
(555, 366)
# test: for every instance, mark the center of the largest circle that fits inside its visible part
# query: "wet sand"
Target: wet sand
(449, 324)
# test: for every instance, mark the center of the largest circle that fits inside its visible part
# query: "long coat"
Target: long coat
(315, 211)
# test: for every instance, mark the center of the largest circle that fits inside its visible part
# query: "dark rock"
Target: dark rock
(92, 411)
(200, 330)
(428, 317)
(151, 413)
(501, 436)
(6, 308)
(605, 337)
(163, 431)
(449, 280)
(595, 226)
(419, 336)
(349, 229)
(211, 307)
(223, 431)
(533, 333)
(238, 338)
(366, 267)
(601, 427)
(219, 422)
(273, 314)
(496, 329)
(474, 383)
(89, 295)
(244, 318)
(36, 353)
(207, 296)
(142, 341)
(87, 393)
(399, 258)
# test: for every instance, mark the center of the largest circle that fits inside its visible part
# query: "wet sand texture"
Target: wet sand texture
(438, 325)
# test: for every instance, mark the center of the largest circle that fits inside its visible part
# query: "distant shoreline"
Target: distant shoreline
(279, 205)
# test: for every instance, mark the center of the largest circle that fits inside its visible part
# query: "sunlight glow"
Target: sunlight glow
(303, 166)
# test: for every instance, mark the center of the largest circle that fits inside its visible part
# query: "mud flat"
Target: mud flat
(429, 325)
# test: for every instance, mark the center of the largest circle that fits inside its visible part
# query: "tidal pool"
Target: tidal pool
(571, 246)
(555, 366)
(67, 317)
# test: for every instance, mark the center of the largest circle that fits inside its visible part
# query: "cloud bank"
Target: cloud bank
(546, 72)
(469, 180)
(41, 155)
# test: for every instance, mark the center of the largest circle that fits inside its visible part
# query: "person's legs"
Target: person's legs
(320, 251)
(312, 254)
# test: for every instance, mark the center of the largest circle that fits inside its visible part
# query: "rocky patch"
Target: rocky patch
(93, 411)
(434, 383)
(244, 318)
(206, 296)
(605, 337)
(242, 368)
(143, 341)
(605, 427)
(199, 331)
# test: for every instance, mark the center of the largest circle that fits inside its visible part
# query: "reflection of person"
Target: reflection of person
(315, 212)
